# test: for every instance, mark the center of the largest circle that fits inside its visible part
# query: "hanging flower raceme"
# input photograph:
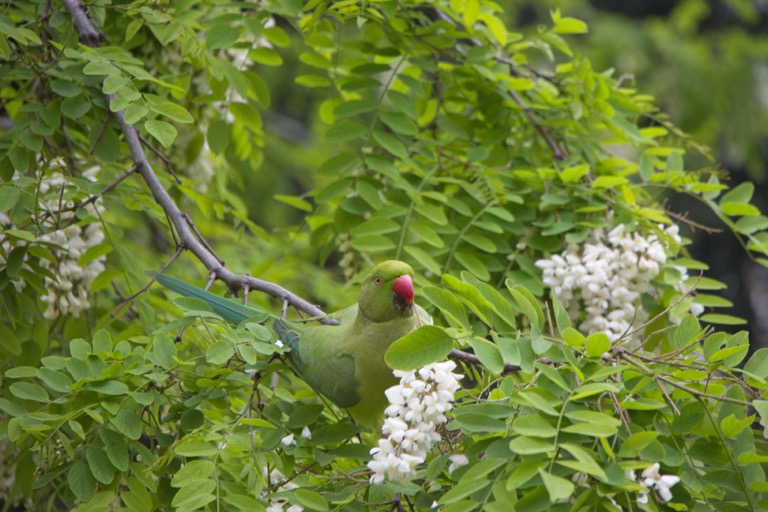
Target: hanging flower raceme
(417, 407)
(605, 277)
(68, 241)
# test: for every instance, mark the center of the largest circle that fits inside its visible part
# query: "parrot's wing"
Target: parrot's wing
(230, 310)
(318, 353)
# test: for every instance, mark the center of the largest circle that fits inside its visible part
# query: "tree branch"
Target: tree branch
(188, 240)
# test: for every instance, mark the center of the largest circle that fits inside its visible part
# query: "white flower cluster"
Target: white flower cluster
(653, 480)
(417, 407)
(277, 477)
(605, 276)
(67, 294)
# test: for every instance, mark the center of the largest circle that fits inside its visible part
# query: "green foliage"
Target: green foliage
(438, 136)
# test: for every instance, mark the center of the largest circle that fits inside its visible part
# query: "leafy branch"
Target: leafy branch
(185, 232)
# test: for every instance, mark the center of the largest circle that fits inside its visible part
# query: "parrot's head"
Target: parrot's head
(386, 293)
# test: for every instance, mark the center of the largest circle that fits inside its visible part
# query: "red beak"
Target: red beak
(403, 287)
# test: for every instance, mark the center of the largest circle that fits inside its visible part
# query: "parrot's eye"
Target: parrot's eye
(377, 281)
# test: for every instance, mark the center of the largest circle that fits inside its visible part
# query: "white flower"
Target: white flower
(68, 239)
(288, 440)
(605, 277)
(279, 343)
(417, 406)
(305, 433)
(662, 483)
(457, 460)
(642, 497)
(277, 477)
(764, 424)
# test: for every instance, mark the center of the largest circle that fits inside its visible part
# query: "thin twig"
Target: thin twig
(471, 359)
(144, 288)
(667, 310)
(100, 134)
(684, 218)
(625, 355)
(669, 400)
(623, 414)
(162, 157)
(200, 238)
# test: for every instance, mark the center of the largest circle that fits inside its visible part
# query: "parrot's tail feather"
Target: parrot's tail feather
(230, 310)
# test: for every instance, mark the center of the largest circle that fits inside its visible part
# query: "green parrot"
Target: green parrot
(343, 362)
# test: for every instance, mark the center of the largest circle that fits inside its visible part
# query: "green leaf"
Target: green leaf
(195, 448)
(584, 460)
(99, 503)
(463, 489)
(296, 202)
(219, 352)
(116, 449)
(742, 193)
(419, 348)
(391, 144)
(602, 182)
(399, 123)
(312, 81)
(471, 295)
(29, 391)
(569, 26)
(127, 422)
(686, 332)
(81, 481)
(9, 196)
(109, 387)
(758, 364)
(193, 471)
(527, 303)
(171, 110)
(634, 444)
(304, 415)
(739, 209)
(748, 225)
(448, 304)
(162, 131)
(376, 226)
(533, 425)
(196, 496)
(266, 56)
(488, 354)
(477, 422)
(373, 243)
(311, 500)
(344, 131)
(714, 318)
(164, 349)
(597, 344)
(99, 464)
(573, 337)
(75, 107)
(591, 429)
(558, 488)
(355, 108)
(54, 379)
(21, 372)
